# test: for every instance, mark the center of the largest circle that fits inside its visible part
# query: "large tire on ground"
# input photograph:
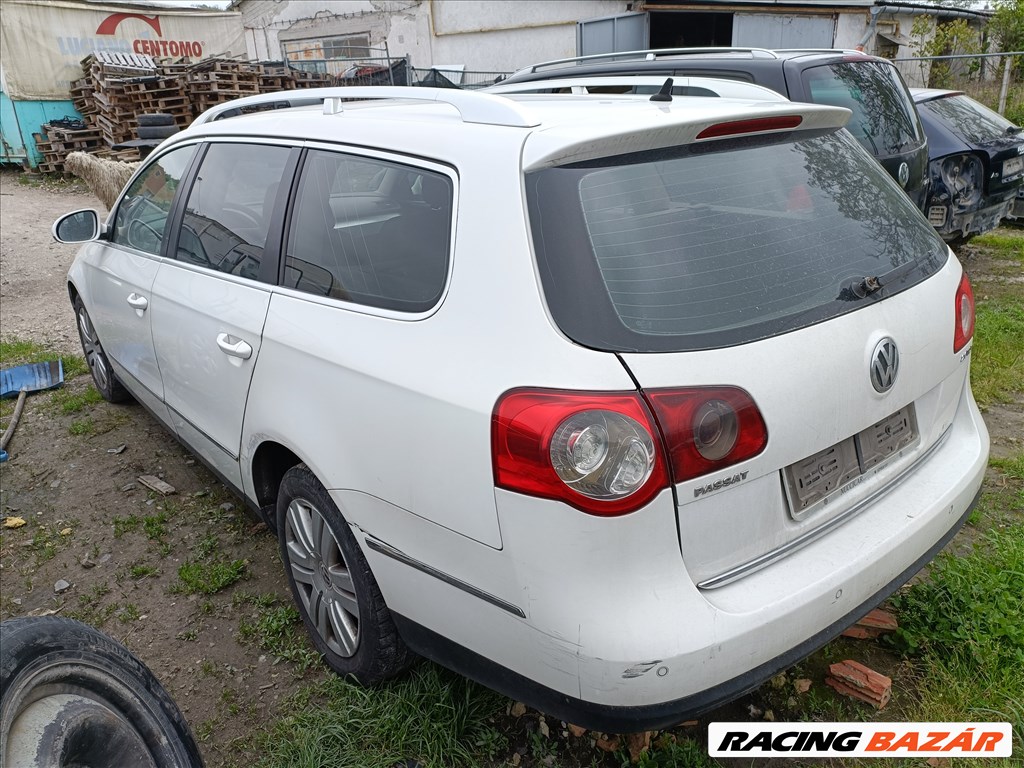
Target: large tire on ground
(72, 697)
(340, 602)
(155, 118)
(99, 365)
(156, 131)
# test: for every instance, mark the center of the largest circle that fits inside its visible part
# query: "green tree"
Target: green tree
(1007, 27)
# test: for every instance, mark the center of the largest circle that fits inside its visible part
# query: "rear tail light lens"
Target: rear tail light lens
(707, 429)
(599, 452)
(963, 330)
(607, 453)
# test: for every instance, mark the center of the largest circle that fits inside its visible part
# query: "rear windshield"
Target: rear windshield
(723, 243)
(975, 122)
(883, 121)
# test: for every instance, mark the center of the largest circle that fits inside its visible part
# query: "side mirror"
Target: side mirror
(78, 227)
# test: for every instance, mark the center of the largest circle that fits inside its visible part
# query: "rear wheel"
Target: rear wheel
(74, 697)
(340, 602)
(99, 365)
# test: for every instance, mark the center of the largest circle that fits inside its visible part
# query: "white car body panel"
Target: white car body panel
(205, 389)
(107, 277)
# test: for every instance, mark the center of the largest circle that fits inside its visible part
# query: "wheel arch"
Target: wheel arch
(270, 461)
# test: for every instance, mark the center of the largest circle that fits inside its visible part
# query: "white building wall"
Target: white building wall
(489, 36)
(850, 28)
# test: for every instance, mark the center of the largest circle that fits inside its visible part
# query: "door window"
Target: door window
(230, 207)
(141, 218)
(370, 232)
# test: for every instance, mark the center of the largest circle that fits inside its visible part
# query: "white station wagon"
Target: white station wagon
(618, 406)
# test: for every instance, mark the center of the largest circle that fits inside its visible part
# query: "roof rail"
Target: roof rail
(473, 107)
(650, 54)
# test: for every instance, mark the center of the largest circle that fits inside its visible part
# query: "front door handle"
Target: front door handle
(234, 347)
(138, 303)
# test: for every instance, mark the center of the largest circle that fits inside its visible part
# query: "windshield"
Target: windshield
(973, 121)
(719, 244)
(884, 120)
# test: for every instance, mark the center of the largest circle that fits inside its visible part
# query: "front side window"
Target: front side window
(707, 246)
(370, 232)
(141, 220)
(884, 120)
(230, 208)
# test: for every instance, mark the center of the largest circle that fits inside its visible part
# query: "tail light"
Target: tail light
(708, 429)
(963, 331)
(607, 453)
(599, 452)
(962, 175)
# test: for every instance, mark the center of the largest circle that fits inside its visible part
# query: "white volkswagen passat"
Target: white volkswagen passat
(617, 406)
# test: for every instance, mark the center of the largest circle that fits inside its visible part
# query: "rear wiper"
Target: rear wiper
(859, 288)
(1013, 130)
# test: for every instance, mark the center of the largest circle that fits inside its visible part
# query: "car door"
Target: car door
(117, 275)
(211, 298)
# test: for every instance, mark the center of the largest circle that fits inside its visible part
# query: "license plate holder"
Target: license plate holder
(812, 482)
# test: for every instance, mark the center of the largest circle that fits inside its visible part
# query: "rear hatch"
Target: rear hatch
(884, 120)
(787, 269)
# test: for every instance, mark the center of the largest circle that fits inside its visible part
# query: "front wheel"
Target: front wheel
(103, 376)
(340, 602)
(74, 697)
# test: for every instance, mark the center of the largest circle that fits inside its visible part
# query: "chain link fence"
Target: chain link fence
(994, 79)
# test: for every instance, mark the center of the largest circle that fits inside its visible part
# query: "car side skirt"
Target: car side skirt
(612, 719)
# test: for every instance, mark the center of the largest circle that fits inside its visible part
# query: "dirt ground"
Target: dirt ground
(73, 477)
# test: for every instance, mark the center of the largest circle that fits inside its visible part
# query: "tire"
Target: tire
(333, 587)
(156, 131)
(103, 375)
(155, 118)
(74, 697)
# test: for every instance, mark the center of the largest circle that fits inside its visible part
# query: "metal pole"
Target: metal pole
(1006, 85)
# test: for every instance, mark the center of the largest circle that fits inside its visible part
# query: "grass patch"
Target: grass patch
(277, 628)
(155, 526)
(1005, 244)
(142, 571)
(73, 402)
(430, 714)
(123, 525)
(20, 352)
(997, 364)
(1012, 467)
(82, 427)
(208, 577)
(964, 625)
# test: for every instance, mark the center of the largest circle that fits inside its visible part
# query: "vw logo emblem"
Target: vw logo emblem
(885, 365)
(904, 174)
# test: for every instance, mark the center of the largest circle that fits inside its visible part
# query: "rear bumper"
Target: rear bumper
(627, 719)
(598, 621)
(957, 224)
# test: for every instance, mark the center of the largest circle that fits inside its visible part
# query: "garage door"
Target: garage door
(766, 30)
(627, 32)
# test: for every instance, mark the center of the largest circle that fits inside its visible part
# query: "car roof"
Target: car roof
(721, 86)
(660, 58)
(453, 125)
(928, 94)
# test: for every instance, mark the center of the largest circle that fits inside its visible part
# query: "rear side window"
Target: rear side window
(230, 206)
(720, 244)
(370, 231)
(975, 122)
(884, 120)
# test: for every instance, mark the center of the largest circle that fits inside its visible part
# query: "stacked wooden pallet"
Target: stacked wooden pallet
(116, 88)
(215, 81)
(61, 137)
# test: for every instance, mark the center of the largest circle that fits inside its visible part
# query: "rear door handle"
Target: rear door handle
(138, 303)
(233, 346)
